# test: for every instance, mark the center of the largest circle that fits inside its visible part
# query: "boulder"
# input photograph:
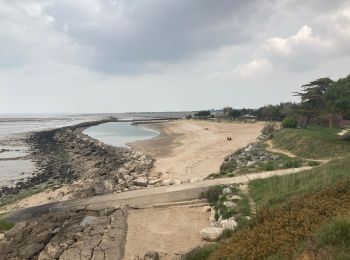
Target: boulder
(44, 256)
(251, 163)
(154, 182)
(206, 208)
(211, 233)
(233, 197)
(54, 250)
(141, 181)
(151, 255)
(226, 191)
(109, 185)
(99, 189)
(128, 178)
(87, 220)
(212, 215)
(168, 182)
(228, 224)
(177, 182)
(229, 204)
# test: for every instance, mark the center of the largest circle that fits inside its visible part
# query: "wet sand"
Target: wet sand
(190, 149)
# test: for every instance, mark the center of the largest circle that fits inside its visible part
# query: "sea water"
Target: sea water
(120, 133)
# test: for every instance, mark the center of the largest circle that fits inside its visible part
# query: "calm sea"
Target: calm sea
(120, 133)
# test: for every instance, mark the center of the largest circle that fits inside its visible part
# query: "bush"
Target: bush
(4, 225)
(269, 129)
(213, 194)
(269, 166)
(313, 163)
(290, 122)
(292, 164)
(200, 253)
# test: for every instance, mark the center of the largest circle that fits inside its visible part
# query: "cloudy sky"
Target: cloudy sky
(165, 55)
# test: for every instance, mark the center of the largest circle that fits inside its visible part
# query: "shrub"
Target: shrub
(269, 166)
(292, 164)
(4, 225)
(313, 163)
(213, 194)
(200, 253)
(269, 129)
(290, 122)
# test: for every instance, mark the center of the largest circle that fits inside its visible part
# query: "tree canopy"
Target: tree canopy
(338, 97)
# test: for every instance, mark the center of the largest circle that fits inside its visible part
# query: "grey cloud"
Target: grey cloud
(130, 35)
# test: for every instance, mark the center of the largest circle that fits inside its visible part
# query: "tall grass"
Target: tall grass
(314, 142)
(278, 189)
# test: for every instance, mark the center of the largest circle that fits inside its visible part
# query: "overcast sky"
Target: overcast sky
(164, 55)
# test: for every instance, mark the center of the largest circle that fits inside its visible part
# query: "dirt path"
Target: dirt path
(273, 149)
(189, 149)
(169, 231)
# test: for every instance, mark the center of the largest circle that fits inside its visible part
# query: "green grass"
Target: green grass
(278, 189)
(335, 233)
(4, 225)
(201, 253)
(314, 142)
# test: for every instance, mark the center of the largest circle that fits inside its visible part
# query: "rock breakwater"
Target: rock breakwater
(89, 167)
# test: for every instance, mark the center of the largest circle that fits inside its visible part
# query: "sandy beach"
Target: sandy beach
(190, 149)
(155, 229)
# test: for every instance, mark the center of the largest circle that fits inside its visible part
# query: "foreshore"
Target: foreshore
(74, 165)
(190, 150)
(71, 164)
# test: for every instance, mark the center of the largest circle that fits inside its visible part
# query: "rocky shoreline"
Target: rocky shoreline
(67, 156)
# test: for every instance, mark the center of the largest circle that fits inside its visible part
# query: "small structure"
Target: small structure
(247, 118)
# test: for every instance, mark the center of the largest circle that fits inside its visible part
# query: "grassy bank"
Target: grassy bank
(314, 142)
(299, 216)
(278, 189)
(279, 232)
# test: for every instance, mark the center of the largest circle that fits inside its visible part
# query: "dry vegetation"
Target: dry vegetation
(281, 230)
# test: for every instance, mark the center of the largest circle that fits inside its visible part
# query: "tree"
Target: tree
(338, 97)
(231, 113)
(313, 99)
(203, 114)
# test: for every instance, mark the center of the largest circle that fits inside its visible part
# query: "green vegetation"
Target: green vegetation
(290, 122)
(281, 230)
(272, 191)
(291, 211)
(4, 225)
(313, 99)
(315, 142)
(201, 252)
(338, 97)
(8, 199)
(336, 233)
(217, 200)
(203, 114)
